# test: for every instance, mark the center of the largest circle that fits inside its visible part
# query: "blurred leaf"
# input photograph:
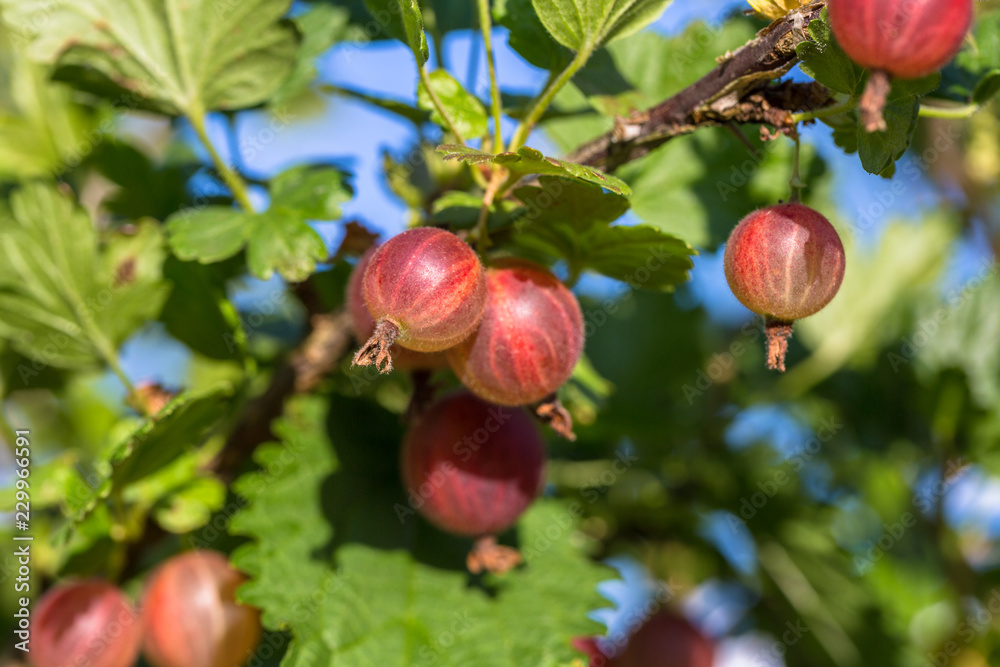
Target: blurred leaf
(880, 150)
(190, 505)
(158, 441)
(401, 109)
(282, 242)
(585, 26)
(209, 234)
(163, 56)
(529, 37)
(527, 161)
(973, 74)
(62, 303)
(144, 189)
(321, 27)
(570, 221)
(460, 210)
(197, 313)
(465, 110)
(402, 19)
(313, 192)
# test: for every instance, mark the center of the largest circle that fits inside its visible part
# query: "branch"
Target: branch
(738, 90)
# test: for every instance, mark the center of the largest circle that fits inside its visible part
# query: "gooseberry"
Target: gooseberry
(529, 339)
(906, 39)
(364, 326)
(88, 622)
(425, 289)
(191, 615)
(472, 468)
(665, 640)
(784, 262)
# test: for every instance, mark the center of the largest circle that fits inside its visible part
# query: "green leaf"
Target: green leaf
(529, 37)
(824, 60)
(465, 110)
(59, 298)
(527, 161)
(313, 192)
(573, 222)
(166, 55)
(583, 26)
(368, 604)
(402, 19)
(972, 75)
(880, 150)
(181, 425)
(133, 274)
(42, 132)
(197, 313)
(208, 235)
(282, 242)
(321, 27)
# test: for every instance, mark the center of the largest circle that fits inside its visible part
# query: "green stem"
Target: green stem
(825, 112)
(482, 224)
(233, 181)
(545, 99)
(436, 101)
(486, 27)
(955, 113)
(926, 111)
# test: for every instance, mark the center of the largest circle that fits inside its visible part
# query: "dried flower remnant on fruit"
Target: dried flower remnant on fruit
(900, 39)
(785, 262)
(426, 290)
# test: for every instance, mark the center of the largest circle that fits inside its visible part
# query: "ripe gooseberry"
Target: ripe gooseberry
(364, 326)
(425, 289)
(529, 339)
(191, 615)
(665, 640)
(88, 622)
(906, 39)
(784, 262)
(472, 468)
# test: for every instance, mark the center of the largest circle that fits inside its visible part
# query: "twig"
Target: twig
(738, 90)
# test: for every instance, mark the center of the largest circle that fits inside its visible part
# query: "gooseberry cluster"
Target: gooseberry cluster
(511, 332)
(189, 618)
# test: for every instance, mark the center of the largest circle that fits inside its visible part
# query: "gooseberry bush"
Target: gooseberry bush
(524, 332)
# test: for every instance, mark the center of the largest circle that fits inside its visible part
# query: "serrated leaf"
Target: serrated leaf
(281, 242)
(403, 20)
(166, 55)
(58, 295)
(583, 26)
(158, 441)
(313, 192)
(569, 221)
(372, 604)
(824, 60)
(527, 161)
(208, 235)
(465, 110)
